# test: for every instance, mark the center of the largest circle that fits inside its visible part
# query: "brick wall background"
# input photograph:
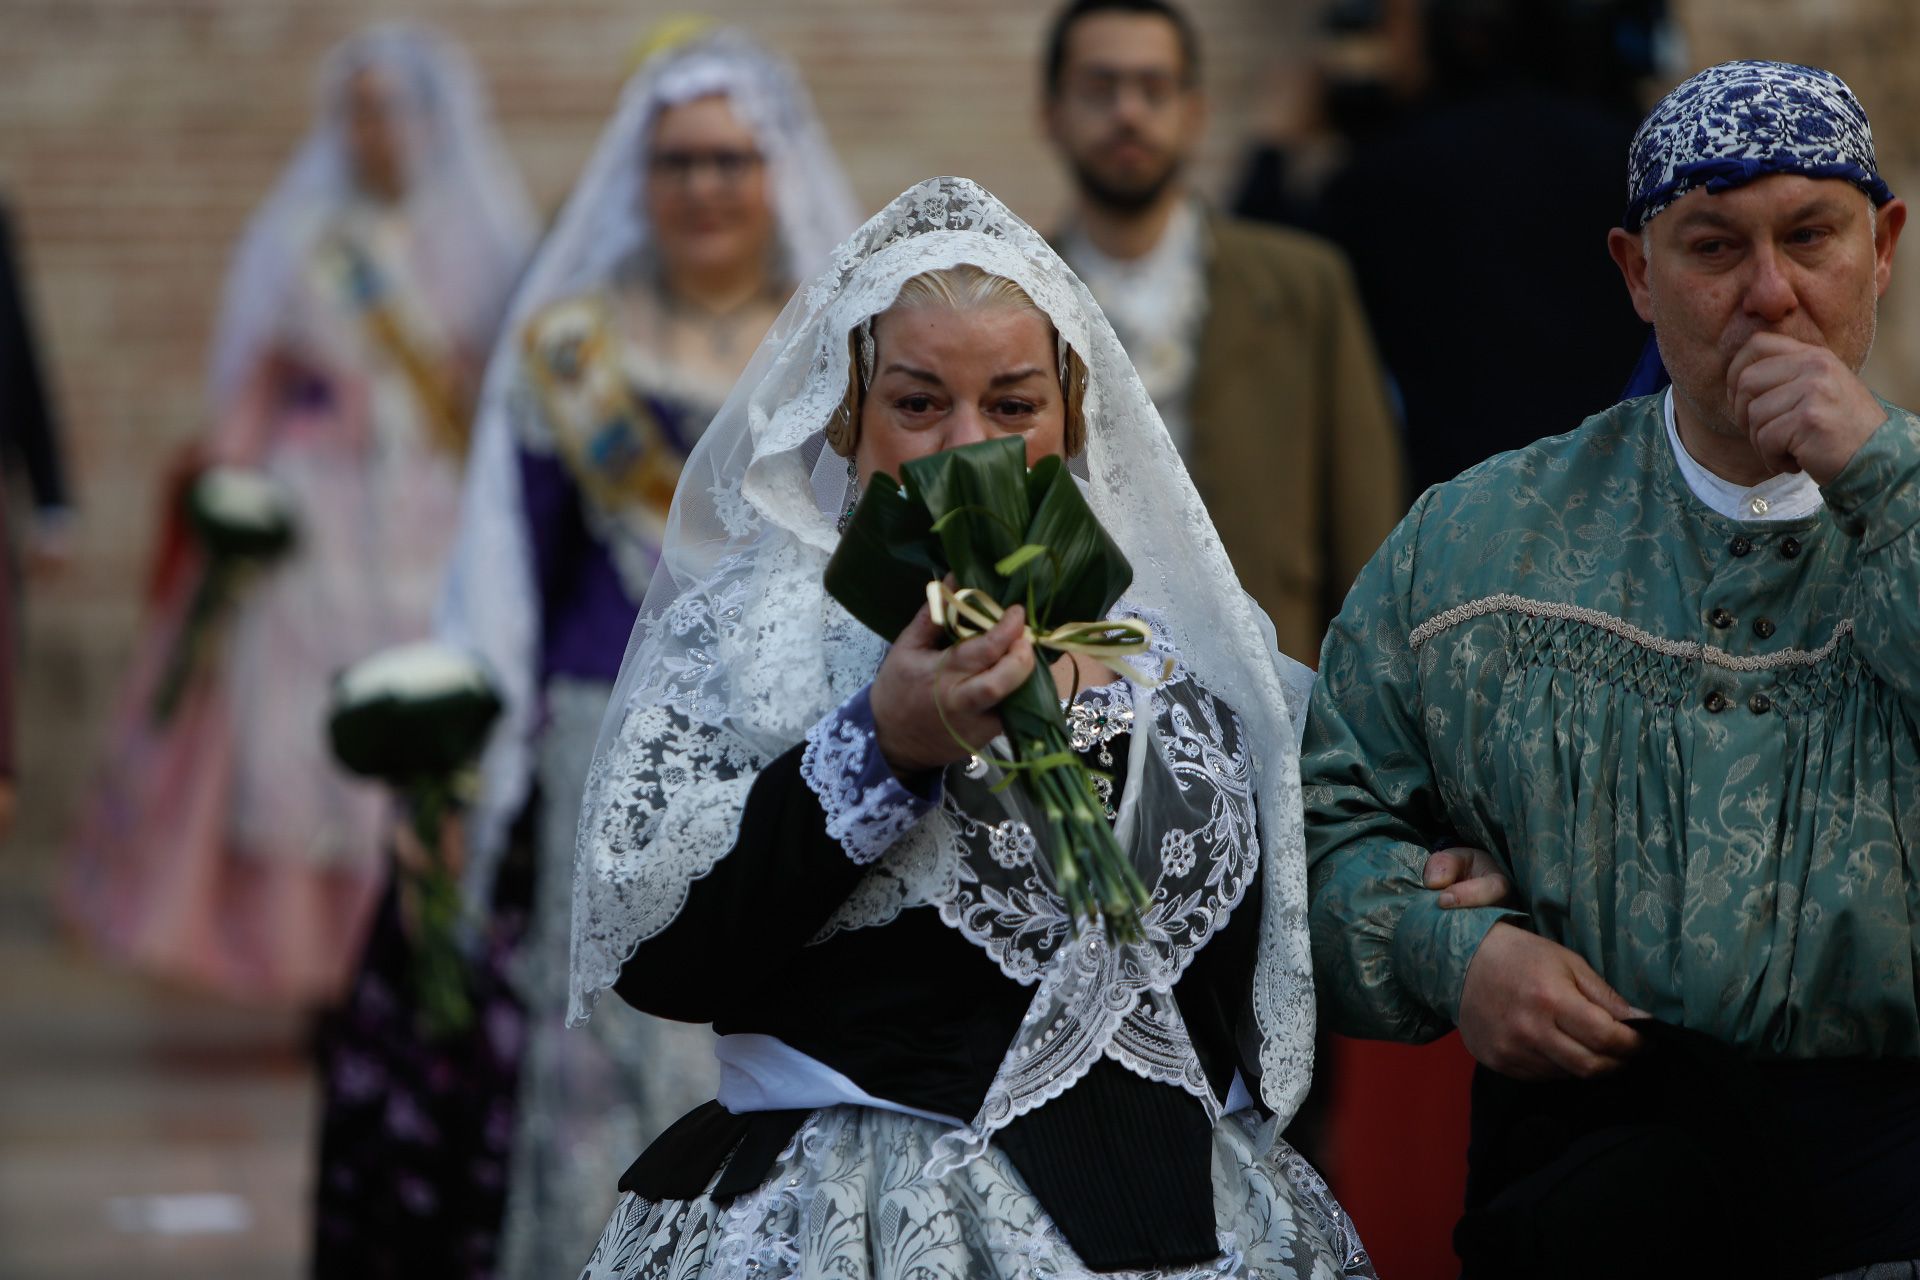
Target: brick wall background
(135, 136)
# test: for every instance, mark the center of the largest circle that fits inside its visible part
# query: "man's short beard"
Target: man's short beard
(1124, 200)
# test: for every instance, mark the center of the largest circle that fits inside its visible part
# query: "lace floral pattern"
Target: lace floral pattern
(848, 1199)
(1011, 844)
(867, 808)
(1176, 852)
(736, 514)
(1091, 1000)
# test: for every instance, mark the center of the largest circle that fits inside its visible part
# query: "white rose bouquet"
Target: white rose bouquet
(416, 717)
(243, 522)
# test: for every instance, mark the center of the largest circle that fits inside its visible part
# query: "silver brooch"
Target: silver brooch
(1097, 724)
(1103, 788)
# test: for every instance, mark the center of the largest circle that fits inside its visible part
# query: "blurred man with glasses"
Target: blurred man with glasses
(1250, 339)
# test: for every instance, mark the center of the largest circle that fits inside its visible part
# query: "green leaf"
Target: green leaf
(1044, 475)
(977, 496)
(1032, 710)
(886, 557)
(1085, 571)
(1018, 560)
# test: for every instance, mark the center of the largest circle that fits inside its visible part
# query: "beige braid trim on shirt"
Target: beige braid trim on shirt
(1689, 650)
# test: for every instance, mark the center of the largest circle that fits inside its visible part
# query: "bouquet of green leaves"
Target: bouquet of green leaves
(1009, 536)
(243, 522)
(416, 717)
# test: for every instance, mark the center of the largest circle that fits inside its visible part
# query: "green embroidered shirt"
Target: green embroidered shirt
(1694, 741)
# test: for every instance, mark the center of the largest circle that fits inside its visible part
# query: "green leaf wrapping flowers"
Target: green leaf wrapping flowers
(416, 718)
(1009, 535)
(243, 521)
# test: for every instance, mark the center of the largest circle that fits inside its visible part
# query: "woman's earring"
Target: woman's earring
(853, 494)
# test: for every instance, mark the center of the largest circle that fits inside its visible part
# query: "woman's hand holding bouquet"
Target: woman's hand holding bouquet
(1036, 576)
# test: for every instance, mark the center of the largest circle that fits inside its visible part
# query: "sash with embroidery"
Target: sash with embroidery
(373, 298)
(621, 450)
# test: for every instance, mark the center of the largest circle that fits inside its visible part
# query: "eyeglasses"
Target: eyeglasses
(679, 167)
(1103, 89)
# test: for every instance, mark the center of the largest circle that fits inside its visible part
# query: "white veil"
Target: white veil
(460, 189)
(490, 604)
(738, 652)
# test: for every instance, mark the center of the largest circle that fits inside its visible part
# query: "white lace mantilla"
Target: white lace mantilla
(1094, 999)
(739, 652)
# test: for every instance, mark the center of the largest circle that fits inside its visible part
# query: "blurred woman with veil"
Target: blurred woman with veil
(223, 847)
(930, 1068)
(710, 193)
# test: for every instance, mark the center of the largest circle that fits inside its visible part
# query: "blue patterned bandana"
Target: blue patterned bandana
(1740, 121)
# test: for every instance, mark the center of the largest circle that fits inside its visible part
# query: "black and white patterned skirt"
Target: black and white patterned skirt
(849, 1199)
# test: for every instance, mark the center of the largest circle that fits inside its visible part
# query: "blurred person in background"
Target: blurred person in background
(1365, 68)
(29, 443)
(221, 846)
(1503, 78)
(1250, 340)
(29, 430)
(712, 192)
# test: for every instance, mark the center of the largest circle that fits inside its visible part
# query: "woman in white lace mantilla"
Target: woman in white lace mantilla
(224, 845)
(710, 194)
(925, 1069)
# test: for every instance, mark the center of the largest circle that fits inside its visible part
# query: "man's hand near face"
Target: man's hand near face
(1801, 406)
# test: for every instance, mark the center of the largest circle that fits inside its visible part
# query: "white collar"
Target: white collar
(1788, 496)
(1179, 250)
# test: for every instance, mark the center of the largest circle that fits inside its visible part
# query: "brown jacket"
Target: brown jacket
(1294, 448)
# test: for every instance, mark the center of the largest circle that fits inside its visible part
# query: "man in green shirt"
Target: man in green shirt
(1666, 670)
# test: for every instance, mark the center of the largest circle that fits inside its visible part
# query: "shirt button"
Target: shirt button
(1716, 702)
(1720, 618)
(1758, 506)
(1789, 548)
(1759, 704)
(1764, 628)
(1739, 546)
